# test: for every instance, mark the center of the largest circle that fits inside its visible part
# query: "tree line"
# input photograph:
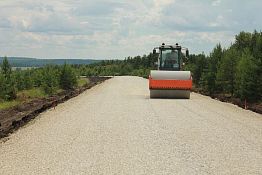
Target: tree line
(135, 66)
(50, 78)
(37, 62)
(235, 71)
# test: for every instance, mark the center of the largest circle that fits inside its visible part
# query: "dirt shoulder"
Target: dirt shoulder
(255, 107)
(15, 117)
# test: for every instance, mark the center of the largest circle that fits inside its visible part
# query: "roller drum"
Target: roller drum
(170, 93)
(170, 75)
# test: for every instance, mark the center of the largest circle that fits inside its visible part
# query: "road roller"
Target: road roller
(170, 80)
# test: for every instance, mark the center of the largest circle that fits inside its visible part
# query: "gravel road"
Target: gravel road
(114, 128)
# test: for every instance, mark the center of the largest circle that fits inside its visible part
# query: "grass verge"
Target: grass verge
(31, 94)
(82, 82)
(9, 104)
(34, 93)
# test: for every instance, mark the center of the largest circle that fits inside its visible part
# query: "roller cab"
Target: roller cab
(169, 81)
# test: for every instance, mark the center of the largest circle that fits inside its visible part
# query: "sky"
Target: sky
(115, 29)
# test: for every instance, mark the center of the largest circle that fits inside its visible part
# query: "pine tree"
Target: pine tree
(28, 82)
(68, 79)
(196, 64)
(226, 74)
(9, 85)
(247, 78)
(6, 68)
(214, 60)
(50, 79)
(2, 86)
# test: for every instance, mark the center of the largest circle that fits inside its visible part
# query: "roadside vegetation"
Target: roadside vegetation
(19, 86)
(232, 72)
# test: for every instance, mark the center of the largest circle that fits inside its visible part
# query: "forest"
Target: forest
(235, 71)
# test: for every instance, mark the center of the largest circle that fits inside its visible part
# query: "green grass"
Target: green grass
(31, 94)
(34, 93)
(9, 104)
(58, 91)
(82, 82)
(23, 96)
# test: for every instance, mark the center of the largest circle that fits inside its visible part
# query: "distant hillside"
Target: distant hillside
(34, 62)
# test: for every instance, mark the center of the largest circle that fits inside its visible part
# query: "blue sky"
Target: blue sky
(109, 29)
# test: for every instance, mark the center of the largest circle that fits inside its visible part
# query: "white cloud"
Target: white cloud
(216, 2)
(118, 28)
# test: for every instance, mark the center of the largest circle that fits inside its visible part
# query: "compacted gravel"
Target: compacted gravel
(115, 128)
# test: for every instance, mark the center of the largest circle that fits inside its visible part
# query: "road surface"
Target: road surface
(115, 128)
